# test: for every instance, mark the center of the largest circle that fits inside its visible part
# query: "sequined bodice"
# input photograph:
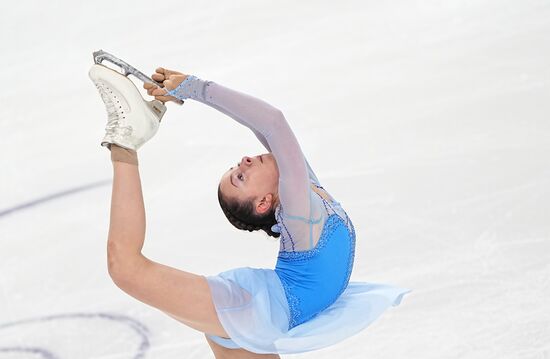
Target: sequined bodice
(315, 278)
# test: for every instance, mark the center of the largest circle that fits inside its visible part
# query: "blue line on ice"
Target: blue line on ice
(138, 327)
(51, 197)
(33, 350)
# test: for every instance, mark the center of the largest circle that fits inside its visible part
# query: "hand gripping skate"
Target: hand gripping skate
(127, 69)
(132, 121)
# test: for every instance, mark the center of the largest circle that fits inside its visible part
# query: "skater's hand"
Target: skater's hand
(169, 78)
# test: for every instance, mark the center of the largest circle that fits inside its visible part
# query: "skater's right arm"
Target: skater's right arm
(171, 79)
(269, 125)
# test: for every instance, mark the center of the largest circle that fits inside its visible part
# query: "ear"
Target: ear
(265, 204)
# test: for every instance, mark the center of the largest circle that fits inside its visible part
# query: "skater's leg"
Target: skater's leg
(225, 353)
(184, 295)
(131, 122)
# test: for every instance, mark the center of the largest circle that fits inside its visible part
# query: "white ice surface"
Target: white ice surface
(428, 120)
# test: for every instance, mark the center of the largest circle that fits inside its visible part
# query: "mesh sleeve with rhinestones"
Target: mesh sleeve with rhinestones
(301, 213)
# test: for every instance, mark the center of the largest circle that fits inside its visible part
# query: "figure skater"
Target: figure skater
(307, 301)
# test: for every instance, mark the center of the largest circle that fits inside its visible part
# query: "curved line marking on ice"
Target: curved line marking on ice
(138, 327)
(33, 203)
(33, 350)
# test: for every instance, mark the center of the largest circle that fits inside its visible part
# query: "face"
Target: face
(256, 177)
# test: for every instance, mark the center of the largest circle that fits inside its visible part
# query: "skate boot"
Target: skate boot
(132, 121)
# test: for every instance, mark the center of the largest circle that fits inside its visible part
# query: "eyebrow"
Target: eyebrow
(231, 179)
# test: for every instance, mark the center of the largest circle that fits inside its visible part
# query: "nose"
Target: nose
(246, 161)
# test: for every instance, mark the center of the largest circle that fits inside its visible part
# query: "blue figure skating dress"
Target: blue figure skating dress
(307, 301)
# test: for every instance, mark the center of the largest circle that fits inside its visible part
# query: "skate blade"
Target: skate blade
(100, 56)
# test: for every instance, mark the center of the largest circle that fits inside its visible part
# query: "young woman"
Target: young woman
(306, 302)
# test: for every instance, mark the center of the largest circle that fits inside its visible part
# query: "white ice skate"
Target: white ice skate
(132, 121)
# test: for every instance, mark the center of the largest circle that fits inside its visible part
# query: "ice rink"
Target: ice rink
(429, 121)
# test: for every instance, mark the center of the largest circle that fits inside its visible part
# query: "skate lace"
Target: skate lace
(113, 115)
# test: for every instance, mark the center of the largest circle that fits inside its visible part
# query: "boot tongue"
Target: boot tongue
(112, 113)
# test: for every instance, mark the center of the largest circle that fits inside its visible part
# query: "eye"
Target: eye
(240, 176)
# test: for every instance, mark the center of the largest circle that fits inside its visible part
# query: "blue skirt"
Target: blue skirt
(252, 308)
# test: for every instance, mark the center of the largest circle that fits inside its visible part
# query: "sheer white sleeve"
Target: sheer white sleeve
(299, 210)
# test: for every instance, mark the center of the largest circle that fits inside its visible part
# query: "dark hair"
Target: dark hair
(243, 216)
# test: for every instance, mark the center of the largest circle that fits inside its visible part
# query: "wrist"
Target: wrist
(190, 87)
